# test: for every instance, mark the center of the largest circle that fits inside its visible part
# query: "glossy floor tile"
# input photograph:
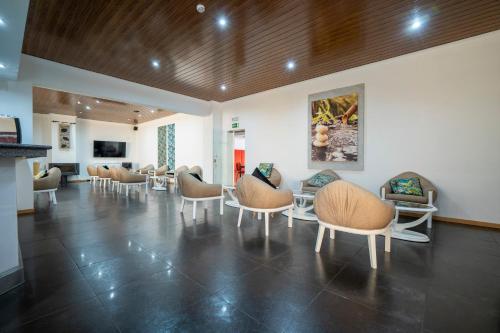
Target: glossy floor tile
(102, 262)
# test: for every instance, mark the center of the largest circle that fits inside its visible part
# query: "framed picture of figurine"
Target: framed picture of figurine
(336, 127)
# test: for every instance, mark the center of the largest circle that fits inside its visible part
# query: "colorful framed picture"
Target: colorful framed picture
(336, 129)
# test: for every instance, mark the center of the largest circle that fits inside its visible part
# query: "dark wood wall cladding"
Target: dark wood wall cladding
(121, 37)
(47, 101)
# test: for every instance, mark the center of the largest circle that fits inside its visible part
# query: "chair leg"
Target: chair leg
(221, 207)
(147, 188)
(240, 215)
(319, 240)
(429, 221)
(182, 205)
(126, 190)
(372, 249)
(290, 217)
(332, 233)
(194, 210)
(259, 216)
(266, 217)
(388, 240)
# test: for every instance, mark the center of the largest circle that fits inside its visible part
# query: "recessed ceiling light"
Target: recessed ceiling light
(97, 101)
(200, 8)
(290, 65)
(416, 23)
(223, 87)
(222, 22)
(78, 102)
(152, 111)
(2, 22)
(2, 66)
(88, 107)
(155, 63)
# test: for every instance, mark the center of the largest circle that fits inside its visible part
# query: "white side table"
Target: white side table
(159, 183)
(302, 205)
(399, 230)
(234, 200)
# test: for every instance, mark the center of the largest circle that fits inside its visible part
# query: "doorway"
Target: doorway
(238, 152)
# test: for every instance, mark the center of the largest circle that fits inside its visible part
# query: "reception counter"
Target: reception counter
(11, 268)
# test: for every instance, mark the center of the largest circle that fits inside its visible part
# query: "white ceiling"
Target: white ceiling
(13, 15)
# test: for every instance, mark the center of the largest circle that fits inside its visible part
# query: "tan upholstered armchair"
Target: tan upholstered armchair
(194, 190)
(429, 197)
(48, 184)
(92, 172)
(129, 179)
(161, 171)
(306, 187)
(346, 207)
(115, 178)
(104, 176)
(256, 196)
(145, 170)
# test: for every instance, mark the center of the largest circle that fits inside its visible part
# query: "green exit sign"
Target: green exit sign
(235, 125)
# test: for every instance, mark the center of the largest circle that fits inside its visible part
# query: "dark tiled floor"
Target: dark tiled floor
(100, 262)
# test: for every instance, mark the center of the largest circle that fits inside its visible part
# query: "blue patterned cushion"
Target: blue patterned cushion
(320, 180)
(266, 169)
(408, 186)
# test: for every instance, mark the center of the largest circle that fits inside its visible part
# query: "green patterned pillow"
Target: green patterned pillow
(266, 169)
(320, 180)
(408, 186)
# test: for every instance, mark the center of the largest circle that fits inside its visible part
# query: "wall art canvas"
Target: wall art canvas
(336, 128)
(162, 146)
(64, 136)
(171, 146)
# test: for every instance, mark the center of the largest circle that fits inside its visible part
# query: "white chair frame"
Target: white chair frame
(128, 185)
(430, 196)
(196, 200)
(52, 194)
(104, 181)
(266, 212)
(372, 248)
(115, 183)
(94, 179)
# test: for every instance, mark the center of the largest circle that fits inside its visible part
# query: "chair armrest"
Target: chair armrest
(386, 187)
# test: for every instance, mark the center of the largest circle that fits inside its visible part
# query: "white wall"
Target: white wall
(90, 130)
(435, 112)
(193, 144)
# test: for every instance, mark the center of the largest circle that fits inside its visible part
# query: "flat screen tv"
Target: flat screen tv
(110, 149)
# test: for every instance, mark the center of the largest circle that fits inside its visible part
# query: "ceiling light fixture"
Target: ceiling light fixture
(152, 111)
(223, 87)
(2, 22)
(416, 23)
(290, 65)
(2, 66)
(78, 102)
(155, 63)
(200, 8)
(88, 108)
(97, 101)
(222, 22)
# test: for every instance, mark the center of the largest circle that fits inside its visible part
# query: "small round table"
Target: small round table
(302, 205)
(399, 229)
(234, 200)
(159, 183)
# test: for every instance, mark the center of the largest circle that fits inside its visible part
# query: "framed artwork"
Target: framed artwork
(336, 129)
(64, 136)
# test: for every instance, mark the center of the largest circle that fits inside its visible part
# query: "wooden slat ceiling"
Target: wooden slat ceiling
(47, 101)
(121, 37)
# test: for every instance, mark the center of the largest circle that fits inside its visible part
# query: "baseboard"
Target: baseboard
(28, 211)
(445, 219)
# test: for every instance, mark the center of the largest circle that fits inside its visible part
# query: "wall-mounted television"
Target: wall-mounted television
(110, 149)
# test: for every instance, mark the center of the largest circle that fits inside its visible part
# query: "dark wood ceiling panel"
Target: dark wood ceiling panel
(121, 37)
(46, 101)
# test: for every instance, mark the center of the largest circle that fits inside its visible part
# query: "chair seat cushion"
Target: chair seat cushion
(256, 173)
(266, 169)
(321, 179)
(407, 186)
(410, 198)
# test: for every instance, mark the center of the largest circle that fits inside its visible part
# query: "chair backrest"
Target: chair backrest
(196, 169)
(91, 170)
(180, 169)
(114, 173)
(345, 204)
(102, 172)
(50, 182)
(275, 177)
(253, 192)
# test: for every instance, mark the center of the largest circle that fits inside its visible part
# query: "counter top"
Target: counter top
(12, 150)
